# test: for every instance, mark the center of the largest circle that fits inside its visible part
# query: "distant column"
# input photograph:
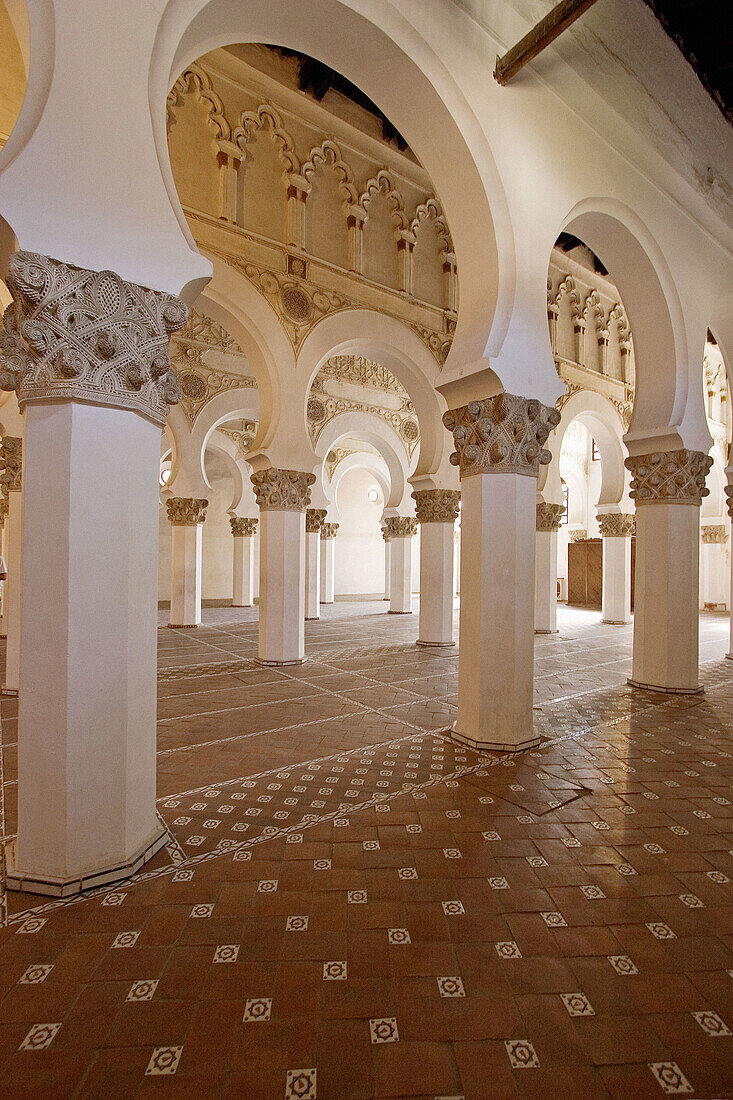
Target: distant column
(545, 577)
(243, 532)
(328, 556)
(616, 531)
(314, 518)
(186, 515)
(437, 512)
(400, 530)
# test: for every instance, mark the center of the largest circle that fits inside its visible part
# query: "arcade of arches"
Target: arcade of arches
(398, 403)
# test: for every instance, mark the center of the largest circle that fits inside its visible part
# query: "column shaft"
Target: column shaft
(545, 594)
(86, 744)
(12, 591)
(328, 560)
(243, 567)
(282, 587)
(400, 576)
(616, 580)
(436, 584)
(313, 574)
(387, 568)
(186, 575)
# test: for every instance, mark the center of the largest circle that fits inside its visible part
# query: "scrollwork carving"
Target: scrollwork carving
(400, 527)
(549, 516)
(616, 525)
(669, 477)
(437, 505)
(186, 511)
(329, 530)
(314, 518)
(502, 434)
(282, 490)
(11, 464)
(243, 526)
(89, 336)
(714, 533)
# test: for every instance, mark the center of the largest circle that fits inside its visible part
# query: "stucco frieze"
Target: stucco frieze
(243, 526)
(437, 505)
(549, 516)
(502, 434)
(282, 490)
(186, 511)
(669, 477)
(86, 335)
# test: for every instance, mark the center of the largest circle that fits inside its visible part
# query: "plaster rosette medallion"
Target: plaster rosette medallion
(314, 518)
(616, 525)
(437, 505)
(503, 434)
(74, 334)
(400, 527)
(329, 530)
(549, 516)
(243, 527)
(669, 477)
(186, 511)
(282, 490)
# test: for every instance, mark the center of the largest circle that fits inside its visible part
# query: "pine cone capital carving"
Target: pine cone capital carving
(502, 434)
(186, 511)
(243, 526)
(329, 530)
(549, 516)
(89, 336)
(669, 477)
(436, 505)
(616, 525)
(714, 533)
(11, 464)
(400, 527)
(314, 518)
(282, 490)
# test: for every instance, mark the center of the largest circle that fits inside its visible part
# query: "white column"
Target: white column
(668, 488)
(186, 515)
(4, 554)
(616, 531)
(11, 457)
(387, 563)
(437, 511)
(328, 561)
(400, 530)
(499, 448)
(282, 497)
(243, 560)
(545, 590)
(713, 578)
(729, 502)
(87, 706)
(314, 518)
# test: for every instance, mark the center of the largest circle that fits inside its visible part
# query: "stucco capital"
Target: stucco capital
(503, 435)
(714, 533)
(616, 525)
(436, 505)
(400, 527)
(243, 526)
(282, 490)
(11, 464)
(186, 511)
(74, 334)
(329, 530)
(549, 516)
(314, 518)
(669, 477)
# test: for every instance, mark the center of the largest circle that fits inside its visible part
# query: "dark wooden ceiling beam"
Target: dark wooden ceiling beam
(534, 42)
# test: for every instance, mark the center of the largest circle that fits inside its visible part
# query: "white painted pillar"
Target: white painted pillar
(729, 502)
(437, 511)
(499, 445)
(400, 530)
(545, 590)
(713, 578)
(186, 515)
(314, 518)
(387, 563)
(668, 488)
(457, 560)
(11, 458)
(243, 560)
(4, 554)
(328, 562)
(282, 497)
(616, 531)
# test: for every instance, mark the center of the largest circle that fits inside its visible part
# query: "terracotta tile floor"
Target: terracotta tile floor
(351, 905)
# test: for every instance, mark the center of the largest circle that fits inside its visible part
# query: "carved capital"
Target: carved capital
(11, 464)
(729, 495)
(243, 527)
(186, 511)
(3, 510)
(549, 516)
(314, 518)
(669, 477)
(399, 527)
(329, 530)
(503, 435)
(88, 336)
(713, 533)
(578, 535)
(616, 525)
(437, 505)
(282, 490)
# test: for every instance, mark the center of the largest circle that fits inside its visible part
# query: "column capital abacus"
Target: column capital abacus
(314, 518)
(329, 530)
(549, 516)
(616, 525)
(282, 490)
(502, 434)
(400, 527)
(669, 477)
(243, 526)
(714, 533)
(437, 505)
(186, 511)
(74, 334)
(11, 464)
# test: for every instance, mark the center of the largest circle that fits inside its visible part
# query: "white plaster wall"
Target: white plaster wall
(359, 555)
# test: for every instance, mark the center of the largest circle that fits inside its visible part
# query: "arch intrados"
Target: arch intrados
(233, 469)
(362, 461)
(603, 421)
(421, 98)
(368, 429)
(639, 270)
